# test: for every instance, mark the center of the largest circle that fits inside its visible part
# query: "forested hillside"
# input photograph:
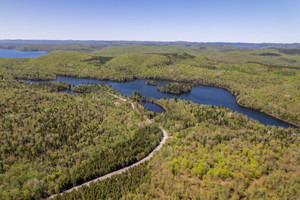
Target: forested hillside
(213, 153)
(51, 141)
(217, 154)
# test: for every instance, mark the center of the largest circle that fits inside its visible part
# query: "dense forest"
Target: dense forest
(114, 188)
(51, 141)
(213, 153)
(176, 88)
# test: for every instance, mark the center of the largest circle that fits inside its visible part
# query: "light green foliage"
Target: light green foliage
(221, 156)
(116, 50)
(50, 141)
(210, 154)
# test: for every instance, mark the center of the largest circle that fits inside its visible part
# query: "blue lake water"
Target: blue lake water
(200, 94)
(153, 107)
(12, 53)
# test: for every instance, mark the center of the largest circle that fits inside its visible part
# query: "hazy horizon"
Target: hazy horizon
(148, 41)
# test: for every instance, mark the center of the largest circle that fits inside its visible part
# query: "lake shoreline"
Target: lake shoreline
(288, 124)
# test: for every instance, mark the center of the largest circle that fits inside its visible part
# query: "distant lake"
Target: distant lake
(200, 94)
(12, 53)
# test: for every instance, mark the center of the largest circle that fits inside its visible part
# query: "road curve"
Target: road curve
(120, 171)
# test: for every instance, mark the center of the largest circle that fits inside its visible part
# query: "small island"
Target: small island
(151, 82)
(176, 88)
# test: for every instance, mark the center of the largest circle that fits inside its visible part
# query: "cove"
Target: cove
(12, 53)
(200, 94)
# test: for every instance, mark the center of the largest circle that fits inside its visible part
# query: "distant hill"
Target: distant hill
(91, 45)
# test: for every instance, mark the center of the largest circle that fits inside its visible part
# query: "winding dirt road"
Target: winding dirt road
(120, 171)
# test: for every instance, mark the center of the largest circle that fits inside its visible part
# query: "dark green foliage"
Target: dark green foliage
(121, 155)
(89, 88)
(113, 188)
(51, 87)
(98, 60)
(269, 54)
(137, 96)
(151, 82)
(180, 56)
(176, 88)
(215, 153)
(50, 141)
(290, 51)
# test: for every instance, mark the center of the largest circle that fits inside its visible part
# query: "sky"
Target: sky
(255, 21)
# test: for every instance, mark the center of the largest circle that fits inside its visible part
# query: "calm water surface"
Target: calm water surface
(12, 53)
(200, 94)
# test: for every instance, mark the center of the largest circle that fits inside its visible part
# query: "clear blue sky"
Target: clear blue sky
(152, 20)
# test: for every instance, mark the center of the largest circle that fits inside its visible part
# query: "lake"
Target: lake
(200, 94)
(12, 53)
